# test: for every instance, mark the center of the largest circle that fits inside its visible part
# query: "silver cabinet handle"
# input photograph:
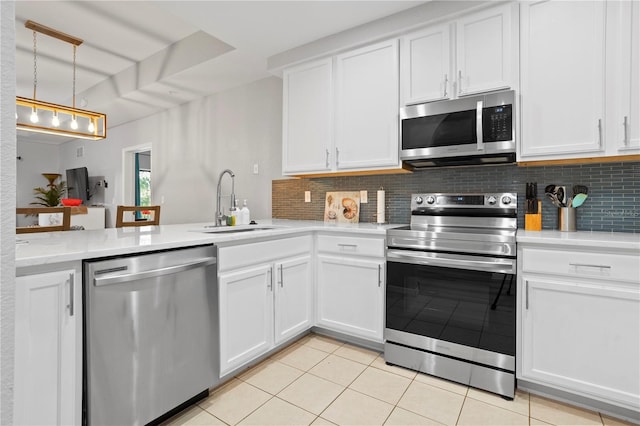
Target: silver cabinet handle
(327, 160)
(71, 295)
(625, 123)
(281, 277)
(270, 285)
(586, 265)
(337, 156)
(446, 83)
(119, 279)
(526, 294)
(600, 132)
(459, 81)
(349, 246)
(479, 140)
(379, 275)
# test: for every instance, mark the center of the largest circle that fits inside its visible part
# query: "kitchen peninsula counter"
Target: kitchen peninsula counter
(54, 247)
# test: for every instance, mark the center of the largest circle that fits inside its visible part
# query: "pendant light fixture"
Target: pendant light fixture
(45, 117)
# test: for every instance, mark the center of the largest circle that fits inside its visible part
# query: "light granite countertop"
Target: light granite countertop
(54, 247)
(592, 239)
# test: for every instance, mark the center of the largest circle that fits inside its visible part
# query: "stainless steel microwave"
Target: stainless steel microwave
(471, 130)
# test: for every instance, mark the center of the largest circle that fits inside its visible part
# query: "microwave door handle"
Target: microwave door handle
(479, 107)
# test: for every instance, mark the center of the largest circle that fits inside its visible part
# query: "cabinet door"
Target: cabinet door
(583, 338)
(350, 294)
(562, 85)
(307, 117)
(367, 107)
(246, 315)
(626, 48)
(426, 65)
(293, 297)
(485, 53)
(45, 349)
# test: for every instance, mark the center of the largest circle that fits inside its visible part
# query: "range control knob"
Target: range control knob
(506, 200)
(418, 200)
(431, 199)
(491, 200)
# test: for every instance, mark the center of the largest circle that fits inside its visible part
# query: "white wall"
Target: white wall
(190, 146)
(7, 207)
(36, 158)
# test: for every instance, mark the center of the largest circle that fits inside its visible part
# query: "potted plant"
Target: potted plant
(52, 194)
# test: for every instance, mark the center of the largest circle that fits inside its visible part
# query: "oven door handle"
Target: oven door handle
(488, 264)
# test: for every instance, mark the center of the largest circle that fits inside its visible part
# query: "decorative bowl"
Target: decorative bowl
(70, 202)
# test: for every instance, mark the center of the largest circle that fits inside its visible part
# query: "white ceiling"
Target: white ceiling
(140, 57)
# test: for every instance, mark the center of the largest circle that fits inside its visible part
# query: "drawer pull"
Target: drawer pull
(586, 265)
(353, 246)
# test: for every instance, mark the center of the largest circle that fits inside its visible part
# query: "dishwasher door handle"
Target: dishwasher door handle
(119, 279)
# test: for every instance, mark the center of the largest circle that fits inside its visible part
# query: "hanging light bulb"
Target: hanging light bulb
(34, 116)
(74, 123)
(91, 128)
(55, 121)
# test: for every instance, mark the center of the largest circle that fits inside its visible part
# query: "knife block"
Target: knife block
(533, 222)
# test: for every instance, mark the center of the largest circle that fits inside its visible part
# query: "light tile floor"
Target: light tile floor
(321, 381)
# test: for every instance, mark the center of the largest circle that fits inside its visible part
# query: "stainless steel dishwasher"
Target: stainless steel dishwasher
(150, 336)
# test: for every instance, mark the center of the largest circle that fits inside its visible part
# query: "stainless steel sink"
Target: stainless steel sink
(212, 229)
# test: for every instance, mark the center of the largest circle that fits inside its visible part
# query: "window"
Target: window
(142, 181)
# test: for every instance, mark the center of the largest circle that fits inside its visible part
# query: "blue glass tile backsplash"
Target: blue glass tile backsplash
(613, 203)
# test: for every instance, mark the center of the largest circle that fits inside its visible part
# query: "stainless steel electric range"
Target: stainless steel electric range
(450, 290)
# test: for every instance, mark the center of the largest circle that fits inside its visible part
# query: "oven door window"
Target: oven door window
(467, 307)
(449, 129)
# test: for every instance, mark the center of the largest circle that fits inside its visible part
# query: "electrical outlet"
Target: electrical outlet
(307, 196)
(255, 168)
(363, 197)
(80, 152)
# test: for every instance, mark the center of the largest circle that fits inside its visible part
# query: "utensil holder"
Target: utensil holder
(533, 221)
(567, 219)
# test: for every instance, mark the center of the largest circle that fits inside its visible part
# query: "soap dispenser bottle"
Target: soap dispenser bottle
(245, 215)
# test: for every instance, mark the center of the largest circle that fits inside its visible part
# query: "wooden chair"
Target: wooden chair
(66, 219)
(155, 220)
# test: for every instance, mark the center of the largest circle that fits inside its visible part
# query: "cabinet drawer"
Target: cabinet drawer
(351, 245)
(619, 267)
(251, 254)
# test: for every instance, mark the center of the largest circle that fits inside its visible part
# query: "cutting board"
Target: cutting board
(342, 207)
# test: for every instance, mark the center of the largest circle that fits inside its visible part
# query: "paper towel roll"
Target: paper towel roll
(380, 207)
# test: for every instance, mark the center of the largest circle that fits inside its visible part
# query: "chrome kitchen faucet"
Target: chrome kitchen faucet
(219, 215)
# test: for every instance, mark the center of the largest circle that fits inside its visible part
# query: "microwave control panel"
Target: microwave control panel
(497, 123)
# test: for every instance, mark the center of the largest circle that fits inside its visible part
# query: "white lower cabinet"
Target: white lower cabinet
(263, 301)
(246, 315)
(293, 297)
(48, 358)
(580, 324)
(350, 286)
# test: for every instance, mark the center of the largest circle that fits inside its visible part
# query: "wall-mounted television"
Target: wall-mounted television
(78, 184)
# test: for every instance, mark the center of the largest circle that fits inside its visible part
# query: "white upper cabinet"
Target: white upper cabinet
(307, 117)
(485, 55)
(624, 56)
(425, 64)
(341, 113)
(367, 107)
(579, 82)
(473, 54)
(563, 82)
